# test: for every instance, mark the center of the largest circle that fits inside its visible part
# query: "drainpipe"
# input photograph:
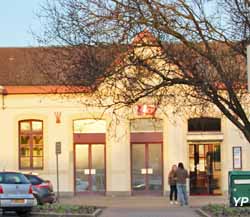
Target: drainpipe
(3, 92)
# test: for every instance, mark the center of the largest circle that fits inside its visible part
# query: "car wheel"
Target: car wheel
(23, 213)
(38, 201)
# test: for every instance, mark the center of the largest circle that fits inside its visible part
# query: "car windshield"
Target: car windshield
(13, 178)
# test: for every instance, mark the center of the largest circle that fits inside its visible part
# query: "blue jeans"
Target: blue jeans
(182, 194)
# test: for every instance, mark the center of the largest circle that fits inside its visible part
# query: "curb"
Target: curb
(202, 213)
(96, 213)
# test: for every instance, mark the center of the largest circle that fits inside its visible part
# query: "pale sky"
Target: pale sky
(17, 19)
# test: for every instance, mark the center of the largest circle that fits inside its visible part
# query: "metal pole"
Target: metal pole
(57, 177)
(247, 5)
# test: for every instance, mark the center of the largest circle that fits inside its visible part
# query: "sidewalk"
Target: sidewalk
(140, 201)
(144, 206)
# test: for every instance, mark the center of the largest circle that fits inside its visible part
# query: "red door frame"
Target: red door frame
(146, 138)
(89, 139)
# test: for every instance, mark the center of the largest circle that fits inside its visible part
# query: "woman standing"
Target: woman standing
(172, 182)
(182, 175)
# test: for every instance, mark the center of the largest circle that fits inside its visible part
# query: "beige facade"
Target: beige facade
(176, 140)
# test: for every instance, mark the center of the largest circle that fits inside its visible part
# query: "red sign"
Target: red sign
(146, 109)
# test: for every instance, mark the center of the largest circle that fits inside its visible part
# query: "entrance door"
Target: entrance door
(205, 169)
(147, 168)
(90, 168)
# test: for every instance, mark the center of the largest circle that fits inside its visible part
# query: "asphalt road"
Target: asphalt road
(150, 212)
(146, 212)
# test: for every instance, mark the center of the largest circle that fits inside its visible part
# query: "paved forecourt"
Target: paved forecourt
(140, 201)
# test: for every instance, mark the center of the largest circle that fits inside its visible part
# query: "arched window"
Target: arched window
(31, 144)
(204, 124)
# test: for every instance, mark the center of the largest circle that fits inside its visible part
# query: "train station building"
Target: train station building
(127, 153)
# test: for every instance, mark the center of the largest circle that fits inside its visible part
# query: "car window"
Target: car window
(34, 179)
(13, 178)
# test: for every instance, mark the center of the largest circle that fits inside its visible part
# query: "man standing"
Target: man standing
(182, 175)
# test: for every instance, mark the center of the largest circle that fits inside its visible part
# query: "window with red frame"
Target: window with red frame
(31, 144)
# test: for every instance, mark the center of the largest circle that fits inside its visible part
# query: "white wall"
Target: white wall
(175, 147)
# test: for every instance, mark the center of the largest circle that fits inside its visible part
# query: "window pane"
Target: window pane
(201, 151)
(31, 144)
(34, 180)
(25, 151)
(25, 162)
(89, 126)
(191, 150)
(37, 146)
(24, 140)
(37, 162)
(82, 168)
(217, 153)
(37, 125)
(37, 140)
(98, 179)
(146, 125)
(25, 126)
(204, 124)
(155, 164)
(37, 151)
(138, 166)
(15, 178)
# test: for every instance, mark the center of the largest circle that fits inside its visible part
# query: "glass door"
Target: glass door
(89, 168)
(205, 171)
(147, 168)
(82, 168)
(139, 169)
(98, 168)
(154, 172)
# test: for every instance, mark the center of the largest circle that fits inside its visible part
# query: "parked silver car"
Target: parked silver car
(16, 193)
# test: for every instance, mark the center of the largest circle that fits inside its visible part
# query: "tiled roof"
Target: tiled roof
(53, 66)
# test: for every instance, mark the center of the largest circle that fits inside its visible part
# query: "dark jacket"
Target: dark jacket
(181, 175)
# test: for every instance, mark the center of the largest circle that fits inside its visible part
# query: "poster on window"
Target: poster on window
(237, 161)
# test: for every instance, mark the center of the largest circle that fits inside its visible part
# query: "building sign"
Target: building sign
(237, 157)
(58, 147)
(145, 109)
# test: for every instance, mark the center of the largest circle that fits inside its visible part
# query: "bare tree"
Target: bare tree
(164, 49)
